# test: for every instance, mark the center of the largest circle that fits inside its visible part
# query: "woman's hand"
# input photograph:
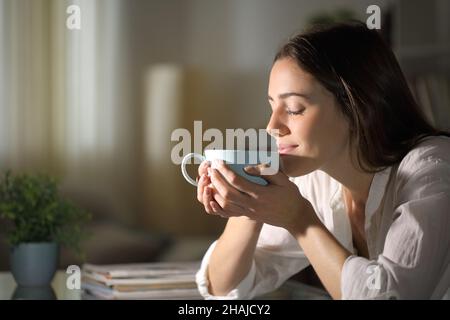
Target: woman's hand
(279, 203)
(204, 190)
(206, 193)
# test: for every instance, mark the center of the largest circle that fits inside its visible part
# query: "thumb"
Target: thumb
(267, 173)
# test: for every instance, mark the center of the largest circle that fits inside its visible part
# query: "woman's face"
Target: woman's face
(306, 121)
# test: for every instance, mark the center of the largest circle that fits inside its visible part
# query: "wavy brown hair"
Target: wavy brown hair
(359, 68)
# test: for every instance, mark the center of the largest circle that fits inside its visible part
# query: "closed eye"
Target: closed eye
(295, 113)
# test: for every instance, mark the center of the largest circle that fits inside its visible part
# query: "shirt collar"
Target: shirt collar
(376, 193)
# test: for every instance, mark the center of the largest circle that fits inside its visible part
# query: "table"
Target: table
(291, 290)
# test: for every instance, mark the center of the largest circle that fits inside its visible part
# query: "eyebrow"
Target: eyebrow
(290, 94)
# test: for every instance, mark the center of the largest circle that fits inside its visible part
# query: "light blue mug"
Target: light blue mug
(236, 160)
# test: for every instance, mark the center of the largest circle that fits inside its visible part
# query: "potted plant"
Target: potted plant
(40, 221)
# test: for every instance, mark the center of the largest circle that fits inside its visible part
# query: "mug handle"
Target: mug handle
(184, 163)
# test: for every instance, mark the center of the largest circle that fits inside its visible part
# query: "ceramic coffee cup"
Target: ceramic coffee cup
(236, 160)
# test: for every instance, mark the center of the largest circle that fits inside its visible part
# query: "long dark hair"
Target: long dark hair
(356, 65)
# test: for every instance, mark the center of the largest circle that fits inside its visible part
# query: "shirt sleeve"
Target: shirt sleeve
(239, 292)
(415, 259)
(269, 270)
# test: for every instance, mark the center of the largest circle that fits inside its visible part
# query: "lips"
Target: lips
(286, 148)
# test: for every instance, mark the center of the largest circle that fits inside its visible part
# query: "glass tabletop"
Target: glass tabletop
(57, 289)
(290, 290)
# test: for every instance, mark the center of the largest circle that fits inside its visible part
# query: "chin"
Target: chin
(295, 166)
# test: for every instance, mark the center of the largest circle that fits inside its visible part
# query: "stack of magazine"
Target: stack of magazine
(140, 281)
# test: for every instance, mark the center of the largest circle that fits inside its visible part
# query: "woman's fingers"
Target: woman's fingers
(228, 192)
(263, 170)
(203, 167)
(205, 194)
(228, 208)
(217, 209)
(202, 179)
(202, 183)
(236, 180)
(211, 206)
(207, 199)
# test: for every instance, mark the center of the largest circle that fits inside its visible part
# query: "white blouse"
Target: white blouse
(407, 229)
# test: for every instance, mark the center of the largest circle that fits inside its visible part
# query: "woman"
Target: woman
(364, 191)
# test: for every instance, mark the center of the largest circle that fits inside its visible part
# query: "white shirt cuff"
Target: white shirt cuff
(240, 292)
(365, 279)
(353, 266)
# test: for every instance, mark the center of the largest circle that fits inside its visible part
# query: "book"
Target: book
(107, 293)
(142, 269)
(141, 281)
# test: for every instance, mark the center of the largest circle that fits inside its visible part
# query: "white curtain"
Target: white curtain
(61, 99)
(24, 83)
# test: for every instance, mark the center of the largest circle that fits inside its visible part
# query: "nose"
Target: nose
(276, 128)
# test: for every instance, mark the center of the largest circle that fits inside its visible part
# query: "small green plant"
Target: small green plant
(39, 214)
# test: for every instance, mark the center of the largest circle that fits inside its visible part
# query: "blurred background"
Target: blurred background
(96, 107)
